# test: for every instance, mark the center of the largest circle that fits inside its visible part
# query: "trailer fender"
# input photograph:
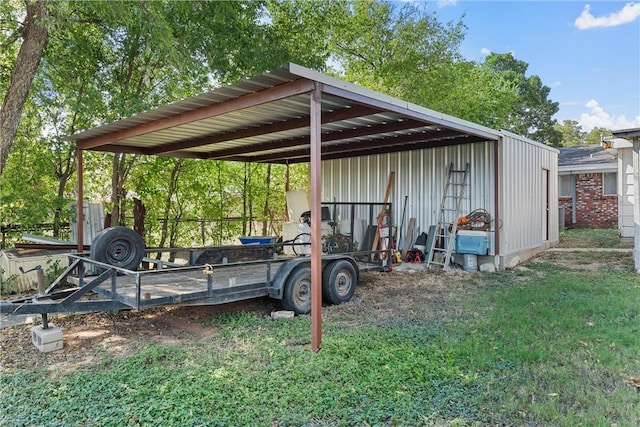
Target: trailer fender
(276, 287)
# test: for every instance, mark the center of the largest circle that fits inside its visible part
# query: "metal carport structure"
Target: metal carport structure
(290, 115)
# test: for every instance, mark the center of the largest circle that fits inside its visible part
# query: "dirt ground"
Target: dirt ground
(88, 336)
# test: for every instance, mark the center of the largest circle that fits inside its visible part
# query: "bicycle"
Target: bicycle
(335, 243)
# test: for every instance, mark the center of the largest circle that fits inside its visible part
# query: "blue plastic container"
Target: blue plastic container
(471, 242)
(257, 240)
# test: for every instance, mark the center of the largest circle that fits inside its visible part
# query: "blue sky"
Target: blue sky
(588, 53)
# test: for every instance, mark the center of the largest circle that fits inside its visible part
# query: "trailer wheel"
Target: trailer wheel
(118, 246)
(339, 281)
(297, 292)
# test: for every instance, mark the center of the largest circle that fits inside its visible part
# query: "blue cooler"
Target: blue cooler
(472, 242)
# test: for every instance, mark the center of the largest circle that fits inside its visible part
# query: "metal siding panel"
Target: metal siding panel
(522, 164)
(420, 174)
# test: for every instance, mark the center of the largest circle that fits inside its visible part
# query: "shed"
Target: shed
(353, 138)
(588, 187)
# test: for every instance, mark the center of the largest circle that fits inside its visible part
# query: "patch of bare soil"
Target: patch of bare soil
(405, 294)
(90, 336)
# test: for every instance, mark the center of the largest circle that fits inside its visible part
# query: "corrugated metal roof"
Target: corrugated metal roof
(267, 119)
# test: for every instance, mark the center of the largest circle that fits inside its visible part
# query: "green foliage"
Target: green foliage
(7, 283)
(572, 134)
(592, 238)
(404, 51)
(532, 110)
(106, 60)
(569, 339)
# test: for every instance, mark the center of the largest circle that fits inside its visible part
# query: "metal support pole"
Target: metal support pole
(497, 197)
(315, 139)
(636, 204)
(80, 217)
(40, 273)
(45, 321)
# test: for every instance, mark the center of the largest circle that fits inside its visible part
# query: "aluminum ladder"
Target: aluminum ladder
(441, 244)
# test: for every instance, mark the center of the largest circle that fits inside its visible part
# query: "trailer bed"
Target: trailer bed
(116, 288)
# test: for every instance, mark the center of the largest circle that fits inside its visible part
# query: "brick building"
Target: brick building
(588, 187)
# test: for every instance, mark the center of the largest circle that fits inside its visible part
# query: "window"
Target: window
(610, 183)
(565, 185)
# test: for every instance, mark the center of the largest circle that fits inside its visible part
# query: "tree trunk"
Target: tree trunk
(266, 213)
(245, 199)
(139, 212)
(173, 186)
(34, 39)
(116, 188)
(287, 187)
(57, 215)
(121, 168)
(64, 170)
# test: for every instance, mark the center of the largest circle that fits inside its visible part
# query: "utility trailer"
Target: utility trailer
(116, 283)
(284, 278)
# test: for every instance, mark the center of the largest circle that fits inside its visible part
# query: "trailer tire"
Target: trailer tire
(339, 280)
(118, 246)
(297, 291)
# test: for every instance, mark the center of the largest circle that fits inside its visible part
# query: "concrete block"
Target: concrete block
(512, 262)
(487, 268)
(282, 314)
(47, 340)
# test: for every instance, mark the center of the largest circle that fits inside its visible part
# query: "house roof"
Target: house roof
(585, 158)
(627, 133)
(267, 119)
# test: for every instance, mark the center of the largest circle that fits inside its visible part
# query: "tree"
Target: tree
(395, 51)
(33, 32)
(532, 111)
(596, 135)
(409, 54)
(572, 133)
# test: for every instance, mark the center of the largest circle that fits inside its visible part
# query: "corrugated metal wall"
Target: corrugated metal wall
(528, 187)
(420, 175)
(625, 198)
(529, 175)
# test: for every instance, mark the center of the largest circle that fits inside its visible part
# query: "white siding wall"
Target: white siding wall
(625, 198)
(419, 174)
(524, 165)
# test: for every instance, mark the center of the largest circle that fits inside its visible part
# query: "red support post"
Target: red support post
(316, 217)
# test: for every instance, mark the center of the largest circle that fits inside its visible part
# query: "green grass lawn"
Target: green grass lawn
(543, 344)
(592, 238)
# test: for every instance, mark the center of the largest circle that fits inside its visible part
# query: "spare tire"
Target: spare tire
(118, 246)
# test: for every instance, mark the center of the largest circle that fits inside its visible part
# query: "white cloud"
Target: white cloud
(484, 51)
(586, 21)
(445, 3)
(598, 117)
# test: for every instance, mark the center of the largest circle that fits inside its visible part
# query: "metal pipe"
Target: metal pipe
(80, 217)
(497, 195)
(315, 181)
(40, 273)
